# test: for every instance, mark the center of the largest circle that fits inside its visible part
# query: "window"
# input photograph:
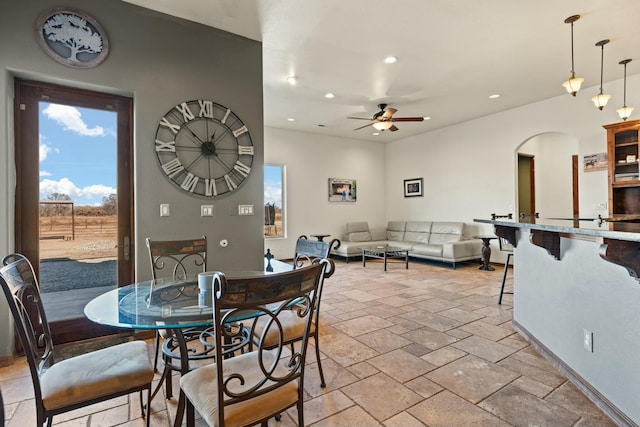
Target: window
(274, 215)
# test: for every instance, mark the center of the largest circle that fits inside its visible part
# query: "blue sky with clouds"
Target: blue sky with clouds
(273, 175)
(78, 149)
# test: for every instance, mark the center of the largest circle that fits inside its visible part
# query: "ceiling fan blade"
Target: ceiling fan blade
(389, 112)
(393, 128)
(359, 118)
(407, 119)
(362, 127)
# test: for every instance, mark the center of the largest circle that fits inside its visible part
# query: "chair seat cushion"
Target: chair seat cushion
(96, 374)
(199, 386)
(292, 327)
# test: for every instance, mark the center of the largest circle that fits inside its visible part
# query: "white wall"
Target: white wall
(310, 161)
(553, 153)
(469, 169)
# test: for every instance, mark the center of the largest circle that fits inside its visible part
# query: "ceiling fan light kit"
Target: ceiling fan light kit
(384, 120)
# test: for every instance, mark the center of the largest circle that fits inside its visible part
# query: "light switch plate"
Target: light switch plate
(206, 210)
(245, 209)
(164, 209)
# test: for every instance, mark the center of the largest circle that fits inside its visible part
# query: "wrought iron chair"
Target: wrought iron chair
(176, 259)
(1, 410)
(306, 252)
(78, 381)
(251, 388)
(507, 247)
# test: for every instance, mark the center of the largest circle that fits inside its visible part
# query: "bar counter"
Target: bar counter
(577, 301)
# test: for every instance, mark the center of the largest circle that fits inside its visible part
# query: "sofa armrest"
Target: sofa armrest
(462, 249)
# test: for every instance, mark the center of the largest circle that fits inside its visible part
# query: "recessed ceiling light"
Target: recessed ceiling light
(376, 133)
(427, 118)
(494, 96)
(329, 95)
(291, 119)
(390, 59)
(292, 80)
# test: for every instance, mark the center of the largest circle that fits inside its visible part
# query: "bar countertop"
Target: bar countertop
(597, 227)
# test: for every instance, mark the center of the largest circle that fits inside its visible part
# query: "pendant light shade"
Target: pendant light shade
(624, 112)
(573, 84)
(601, 99)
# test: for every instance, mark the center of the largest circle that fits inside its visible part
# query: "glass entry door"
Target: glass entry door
(74, 198)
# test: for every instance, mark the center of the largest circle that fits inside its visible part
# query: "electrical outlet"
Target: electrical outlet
(587, 340)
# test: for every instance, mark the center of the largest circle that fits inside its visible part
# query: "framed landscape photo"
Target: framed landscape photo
(342, 190)
(413, 187)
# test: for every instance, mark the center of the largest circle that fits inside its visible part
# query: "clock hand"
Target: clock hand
(220, 137)
(194, 134)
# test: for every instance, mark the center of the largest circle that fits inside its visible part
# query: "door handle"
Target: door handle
(126, 249)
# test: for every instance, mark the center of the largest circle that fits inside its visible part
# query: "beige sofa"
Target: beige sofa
(432, 240)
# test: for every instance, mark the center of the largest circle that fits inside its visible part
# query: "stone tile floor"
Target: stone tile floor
(427, 346)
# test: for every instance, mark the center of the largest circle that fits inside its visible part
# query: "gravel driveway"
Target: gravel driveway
(63, 274)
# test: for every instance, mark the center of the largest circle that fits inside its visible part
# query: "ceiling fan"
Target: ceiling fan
(383, 119)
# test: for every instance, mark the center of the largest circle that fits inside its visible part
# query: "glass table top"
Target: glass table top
(162, 303)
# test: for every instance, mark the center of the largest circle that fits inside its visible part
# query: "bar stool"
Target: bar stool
(507, 247)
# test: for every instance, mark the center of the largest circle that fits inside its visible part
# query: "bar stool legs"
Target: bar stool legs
(504, 278)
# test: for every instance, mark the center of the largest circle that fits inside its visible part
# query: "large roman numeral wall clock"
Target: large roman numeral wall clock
(204, 148)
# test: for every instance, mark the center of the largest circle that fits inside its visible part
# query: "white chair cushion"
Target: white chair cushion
(96, 374)
(199, 386)
(292, 325)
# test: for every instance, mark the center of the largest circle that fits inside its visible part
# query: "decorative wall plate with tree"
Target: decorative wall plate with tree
(72, 38)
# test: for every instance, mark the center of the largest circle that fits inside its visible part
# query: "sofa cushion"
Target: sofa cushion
(417, 231)
(395, 230)
(358, 232)
(445, 232)
(427, 250)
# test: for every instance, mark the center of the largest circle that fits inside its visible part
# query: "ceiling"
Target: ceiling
(452, 55)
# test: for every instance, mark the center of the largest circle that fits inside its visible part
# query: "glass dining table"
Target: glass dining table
(172, 304)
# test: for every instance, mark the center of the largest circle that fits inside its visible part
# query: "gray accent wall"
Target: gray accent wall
(159, 61)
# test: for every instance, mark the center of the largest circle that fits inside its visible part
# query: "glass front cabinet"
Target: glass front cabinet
(624, 171)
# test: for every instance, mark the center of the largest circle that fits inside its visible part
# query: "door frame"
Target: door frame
(28, 94)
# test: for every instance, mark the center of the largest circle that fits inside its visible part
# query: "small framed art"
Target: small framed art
(342, 190)
(413, 187)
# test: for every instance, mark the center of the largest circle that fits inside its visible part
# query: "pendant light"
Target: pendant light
(624, 112)
(573, 84)
(601, 99)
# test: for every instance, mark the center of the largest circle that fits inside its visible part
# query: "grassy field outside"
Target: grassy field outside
(87, 237)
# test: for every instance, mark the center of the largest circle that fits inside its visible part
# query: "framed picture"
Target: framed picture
(595, 162)
(342, 190)
(413, 187)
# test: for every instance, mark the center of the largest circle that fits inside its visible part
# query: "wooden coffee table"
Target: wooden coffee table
(385, 252)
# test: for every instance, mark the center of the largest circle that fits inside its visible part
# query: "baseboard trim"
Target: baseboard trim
(6, 361)
(594, 395)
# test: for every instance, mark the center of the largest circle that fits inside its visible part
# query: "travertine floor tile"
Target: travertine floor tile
(351, 417)
(513, 404)
(472, 378)
(362, 325)
(446, 410)
(381, 396)
(428, 346)
(484, 348)
(401, 365)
